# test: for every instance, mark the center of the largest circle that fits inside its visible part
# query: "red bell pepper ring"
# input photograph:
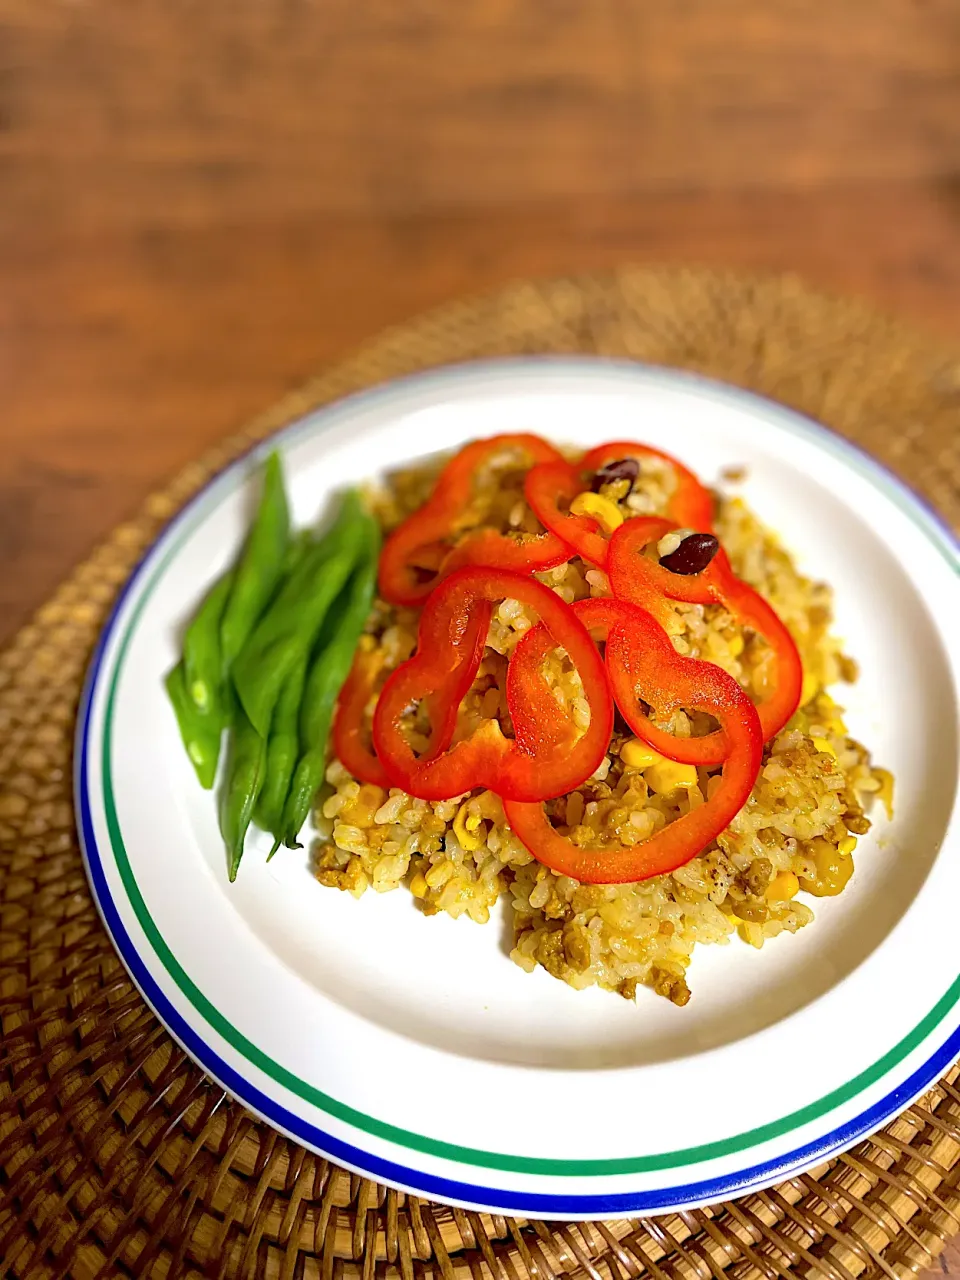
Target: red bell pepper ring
(442, 670)
(550, 488)
(425, 540)
(644, 664)
(645, 582)
(527, 686)
(350, 745)
(690, 504)
(599, 616)
(352, 740)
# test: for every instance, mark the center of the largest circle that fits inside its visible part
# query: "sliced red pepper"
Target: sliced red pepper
(601, 614)
(645, 582)
(644, 664)
(528, 688)
(350, 737)
(425, 540)
(690, 504)
(444, 667)
(550, 487)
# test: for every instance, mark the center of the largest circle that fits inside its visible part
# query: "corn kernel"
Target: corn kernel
(809, 687)
(660, 774)
(736, 646)
(468, 838)
(666, 776)
(598, 508)
(637, 755)
(847, 845)
(824, 744)
(784, 885)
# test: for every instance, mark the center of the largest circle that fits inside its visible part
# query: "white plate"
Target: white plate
(412, 1050)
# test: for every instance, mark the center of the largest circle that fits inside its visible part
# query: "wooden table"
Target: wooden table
(202, 203)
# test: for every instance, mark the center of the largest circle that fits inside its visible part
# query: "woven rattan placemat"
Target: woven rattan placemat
(119, 1158)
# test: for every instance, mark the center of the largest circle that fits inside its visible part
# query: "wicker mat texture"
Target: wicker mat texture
(119, 1158)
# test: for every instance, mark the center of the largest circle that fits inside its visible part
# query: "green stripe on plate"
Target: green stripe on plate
(433, 1146)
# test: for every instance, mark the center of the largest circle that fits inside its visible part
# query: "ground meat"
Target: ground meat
(588, 896)
(557, 810)
(556, 909)
(551, 954)
(628, 988)
(757, 876)
(576, 947)
(596, 791)
(852, 805)
(853, 816)
(670, 985)
(351, 878)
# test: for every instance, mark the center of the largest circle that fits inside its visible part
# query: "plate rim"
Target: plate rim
(937, 532)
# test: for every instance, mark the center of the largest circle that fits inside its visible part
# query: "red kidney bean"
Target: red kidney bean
(621, 469)
(693, 554)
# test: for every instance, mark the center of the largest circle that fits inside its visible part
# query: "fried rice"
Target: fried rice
(794, 840)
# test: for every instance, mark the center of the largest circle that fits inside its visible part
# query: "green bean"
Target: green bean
(202, 660)
(289, 628)
(299, 547)
(246, 767)
(200, 733)
(260, 565)
(327, 675)
(282, 750)
(344, 633)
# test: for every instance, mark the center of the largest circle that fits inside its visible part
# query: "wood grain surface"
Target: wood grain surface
(200, 203)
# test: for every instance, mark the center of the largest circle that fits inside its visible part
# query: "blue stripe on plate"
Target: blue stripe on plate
(439, 1188)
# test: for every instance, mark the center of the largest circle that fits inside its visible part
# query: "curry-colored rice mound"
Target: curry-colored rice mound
(794, 840)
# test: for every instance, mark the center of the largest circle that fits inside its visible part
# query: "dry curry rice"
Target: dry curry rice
(794, 840)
